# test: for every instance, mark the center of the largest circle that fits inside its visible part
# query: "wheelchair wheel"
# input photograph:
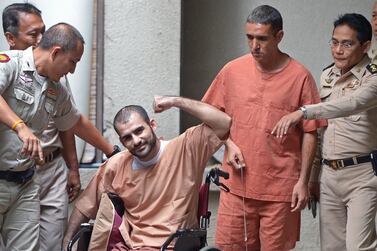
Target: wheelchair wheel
(209, 248)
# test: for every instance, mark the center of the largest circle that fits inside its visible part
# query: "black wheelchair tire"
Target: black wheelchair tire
(209, 248)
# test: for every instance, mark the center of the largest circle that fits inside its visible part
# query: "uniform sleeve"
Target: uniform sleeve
(7, 75)
(202, 142)
(65, 83)
(215, 94)
(309, 96)
(67, 114)
(362, 99)
(89, 200)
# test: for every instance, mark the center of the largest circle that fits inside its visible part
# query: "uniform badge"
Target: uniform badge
(328, 80)
(372, 68)
(327, 83)
(4, 58)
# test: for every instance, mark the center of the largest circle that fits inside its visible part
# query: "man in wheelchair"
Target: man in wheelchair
(158, 181)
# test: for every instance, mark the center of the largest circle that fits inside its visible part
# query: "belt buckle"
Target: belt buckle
(336, 164)
(333, 164)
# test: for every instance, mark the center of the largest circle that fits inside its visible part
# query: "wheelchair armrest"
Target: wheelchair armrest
(84, 234)
(191, 234)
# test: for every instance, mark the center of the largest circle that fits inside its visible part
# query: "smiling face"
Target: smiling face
(62, 63)
(30, 30)
(346, 49)
(263, 41)
(138, 137)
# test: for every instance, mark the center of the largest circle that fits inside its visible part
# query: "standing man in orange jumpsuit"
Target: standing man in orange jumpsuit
(269, 178)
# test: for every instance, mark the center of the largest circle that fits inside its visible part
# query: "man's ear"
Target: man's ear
(366, 46)
(279, 35)
(10, 39)
(54, 52)
(153, 124)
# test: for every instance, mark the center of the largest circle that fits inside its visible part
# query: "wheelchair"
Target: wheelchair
(185, 239)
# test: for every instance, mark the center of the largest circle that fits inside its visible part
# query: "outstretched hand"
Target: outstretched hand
(282, 126)
(162, 103)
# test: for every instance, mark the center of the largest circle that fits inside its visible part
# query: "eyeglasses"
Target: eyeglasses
(344, 44)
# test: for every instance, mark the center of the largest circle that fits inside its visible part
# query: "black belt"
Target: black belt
(340, 163)
(52, 155)
(18, 177)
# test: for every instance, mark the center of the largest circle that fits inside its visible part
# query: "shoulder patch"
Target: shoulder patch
(372, 68)
(4, 58)
(328, 67)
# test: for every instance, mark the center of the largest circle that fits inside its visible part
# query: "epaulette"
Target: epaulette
(4, 58)
(328, 67)
(372, 68)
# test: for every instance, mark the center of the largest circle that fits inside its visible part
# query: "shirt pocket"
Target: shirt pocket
(25, 102)
(350, 87)
(325, 94)
(49, 106)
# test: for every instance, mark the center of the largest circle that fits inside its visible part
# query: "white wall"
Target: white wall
(142, 58)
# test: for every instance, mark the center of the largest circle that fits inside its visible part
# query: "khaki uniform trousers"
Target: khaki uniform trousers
(19, 216)
(348, 204)
(52, 178)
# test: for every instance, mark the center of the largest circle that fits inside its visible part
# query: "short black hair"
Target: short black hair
(124, 114)
(11, 19)
(266, 14)
(62, 34)
(358, 23)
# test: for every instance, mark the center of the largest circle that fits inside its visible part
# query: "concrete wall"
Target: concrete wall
(213, 33)
(142, 58)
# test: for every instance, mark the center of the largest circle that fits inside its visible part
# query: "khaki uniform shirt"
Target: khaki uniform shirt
(35, 100)
(350, 105)
(372, 53)
(50, 139)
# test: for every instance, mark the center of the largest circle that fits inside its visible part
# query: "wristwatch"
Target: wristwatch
(116, 149)
(304, 111)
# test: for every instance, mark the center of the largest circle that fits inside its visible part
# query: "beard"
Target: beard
(147, 147)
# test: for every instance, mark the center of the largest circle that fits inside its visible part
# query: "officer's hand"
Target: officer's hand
(31, 146)
(73, 184)
(162, 103)
(234, 157)
(286, 122)
(300, 196)
(314, 190)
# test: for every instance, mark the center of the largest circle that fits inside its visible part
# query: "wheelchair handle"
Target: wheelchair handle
(222, 173)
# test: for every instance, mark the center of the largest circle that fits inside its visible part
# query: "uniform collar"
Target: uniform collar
(28, 62)
(358, 70)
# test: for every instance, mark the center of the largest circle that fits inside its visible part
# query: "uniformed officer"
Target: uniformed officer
(23, 27)
(348, 185)
(372, 53)
(31, 93)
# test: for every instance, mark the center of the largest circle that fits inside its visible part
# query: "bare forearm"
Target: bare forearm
(214, 118)
(74, 225)
(309, 145)
(8, 117)
(69, 149)
(86, 131)
(316, 166)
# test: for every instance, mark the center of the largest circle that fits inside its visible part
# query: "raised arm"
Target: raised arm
(218, 121)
